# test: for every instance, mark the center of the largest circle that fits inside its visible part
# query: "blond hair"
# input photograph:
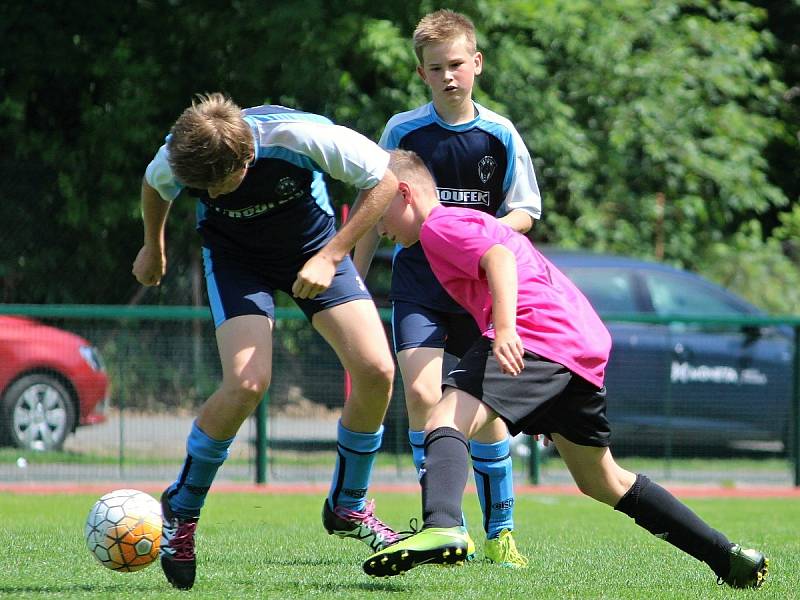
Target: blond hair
(441, 26)
(409, 167)
(209, 141)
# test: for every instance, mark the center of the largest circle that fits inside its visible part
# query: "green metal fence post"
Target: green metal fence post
(121, 402)
(668, 409)
(261, 439)
(796, 407)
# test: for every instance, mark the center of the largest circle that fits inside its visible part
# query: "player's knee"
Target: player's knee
(247, 394)
(598, 489)
(420, 397)
(376, 374)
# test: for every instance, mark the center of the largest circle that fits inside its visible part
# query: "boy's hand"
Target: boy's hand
(149, 266)
(508, 351)
(315, 277)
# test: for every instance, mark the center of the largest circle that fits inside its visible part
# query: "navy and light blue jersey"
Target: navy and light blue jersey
(281, 211)
(482, 164)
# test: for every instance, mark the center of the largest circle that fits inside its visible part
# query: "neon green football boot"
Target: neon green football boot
(435, 546)
(502, 550)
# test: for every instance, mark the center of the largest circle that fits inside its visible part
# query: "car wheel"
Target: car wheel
(37, 413)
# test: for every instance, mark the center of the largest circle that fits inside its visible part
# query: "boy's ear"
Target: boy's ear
(421, 73)
(478, 58)
(405, 191)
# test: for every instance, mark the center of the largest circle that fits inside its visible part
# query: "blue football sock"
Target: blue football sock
(494, 479)
(417, 441)
(204, 456)
(355, 455)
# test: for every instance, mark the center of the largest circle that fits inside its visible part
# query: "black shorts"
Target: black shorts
(237, 287)
(545, 398)
(416, 326)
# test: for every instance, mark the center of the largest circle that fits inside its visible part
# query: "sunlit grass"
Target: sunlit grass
(274, 546)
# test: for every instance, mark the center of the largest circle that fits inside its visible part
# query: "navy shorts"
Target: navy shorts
(545, 398)
(236, 287)
(415, 326)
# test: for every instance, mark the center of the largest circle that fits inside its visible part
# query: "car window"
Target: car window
(676, 295)
(608, 289)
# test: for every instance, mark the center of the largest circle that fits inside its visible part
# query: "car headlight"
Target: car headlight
(92, 358)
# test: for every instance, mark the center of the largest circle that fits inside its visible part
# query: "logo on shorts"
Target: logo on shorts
(486, 167)
(360, 283)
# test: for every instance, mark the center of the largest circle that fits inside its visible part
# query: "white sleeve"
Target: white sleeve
(158, 175)
(344, 154)
(523, 193)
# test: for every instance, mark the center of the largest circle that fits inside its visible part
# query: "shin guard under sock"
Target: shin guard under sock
(666, 517)
(417, 441)
(355, 455)
(204, 456)
(494, 480)
(443, 477)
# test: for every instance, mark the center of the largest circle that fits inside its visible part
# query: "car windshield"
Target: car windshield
(675, 295)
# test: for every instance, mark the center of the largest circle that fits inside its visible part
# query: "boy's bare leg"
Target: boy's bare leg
(594, 470)
(421, 369)
(355, 332)
(245, 349)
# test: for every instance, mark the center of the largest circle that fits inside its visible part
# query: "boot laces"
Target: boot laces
(368, 520)
(183, 540)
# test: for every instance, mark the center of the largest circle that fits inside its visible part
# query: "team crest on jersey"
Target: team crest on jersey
(486, 167)
(287, 188)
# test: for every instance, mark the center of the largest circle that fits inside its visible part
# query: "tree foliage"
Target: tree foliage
(685, 100)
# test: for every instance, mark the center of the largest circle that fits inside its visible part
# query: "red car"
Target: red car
(51, 381)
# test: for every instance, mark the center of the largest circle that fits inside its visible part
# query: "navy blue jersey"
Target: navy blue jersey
(281, 210)
(482, 164)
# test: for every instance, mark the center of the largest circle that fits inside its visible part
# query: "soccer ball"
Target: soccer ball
(123, 530)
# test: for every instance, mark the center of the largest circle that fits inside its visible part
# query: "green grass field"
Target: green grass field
(263, 546)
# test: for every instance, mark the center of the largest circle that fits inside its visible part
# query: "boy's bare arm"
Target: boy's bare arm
(317, 274)
(500, 267)
(519, 220)
(151, 262)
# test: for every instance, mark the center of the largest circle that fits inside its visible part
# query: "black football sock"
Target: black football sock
(444, 476)
(666, 517)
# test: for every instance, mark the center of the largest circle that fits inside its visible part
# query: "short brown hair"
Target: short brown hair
(440, 26)
(210, 140)
(408, 166)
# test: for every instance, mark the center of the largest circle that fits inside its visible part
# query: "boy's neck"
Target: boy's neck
(457, 115)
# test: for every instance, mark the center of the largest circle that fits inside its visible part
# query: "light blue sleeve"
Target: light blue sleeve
(403, 123)
(158, 175)
(388, 141)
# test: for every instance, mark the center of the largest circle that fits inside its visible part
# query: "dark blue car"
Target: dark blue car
(683, 384)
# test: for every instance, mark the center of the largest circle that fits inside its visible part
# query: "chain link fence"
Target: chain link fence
(678, 411)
